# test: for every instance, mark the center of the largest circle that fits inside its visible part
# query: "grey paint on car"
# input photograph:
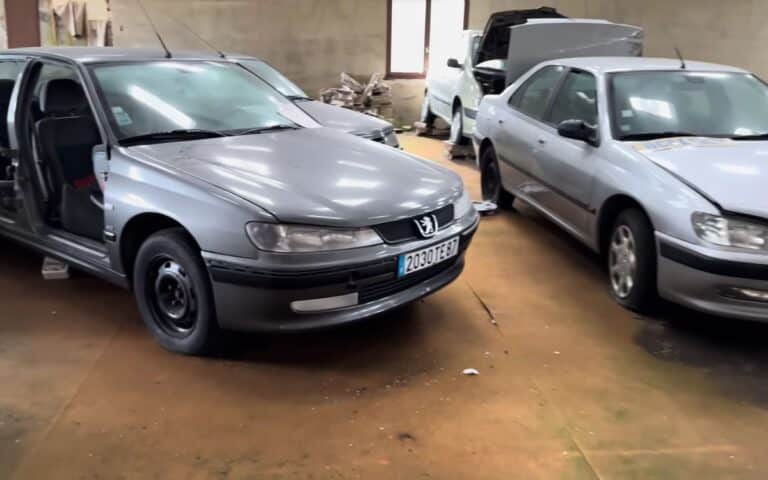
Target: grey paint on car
(577, 184)
(198, 189)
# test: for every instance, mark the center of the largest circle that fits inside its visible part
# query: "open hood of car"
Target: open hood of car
(342, 119)
(494, 43)
(542, 40)
(315, 176)
(733, 174)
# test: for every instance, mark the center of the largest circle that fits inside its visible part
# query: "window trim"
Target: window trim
(390, 75)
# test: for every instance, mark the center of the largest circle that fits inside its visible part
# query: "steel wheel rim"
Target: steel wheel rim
(622, 261)
(456, 127)
(173, 297)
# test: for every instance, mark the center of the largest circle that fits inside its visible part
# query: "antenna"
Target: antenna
(680, 56)
(154, 29)
(209, 44)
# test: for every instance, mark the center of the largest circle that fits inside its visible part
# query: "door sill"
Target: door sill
(92, 247)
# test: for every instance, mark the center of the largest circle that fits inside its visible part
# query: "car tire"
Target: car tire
(457, 128)
(174, 293)
(490, 181)
(427, 117)
(632, 261)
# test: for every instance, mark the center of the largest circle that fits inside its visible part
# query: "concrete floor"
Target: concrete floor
(571, 386)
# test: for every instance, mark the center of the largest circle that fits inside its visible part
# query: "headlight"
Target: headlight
(273, 237)
(730, 232)
(462, 206)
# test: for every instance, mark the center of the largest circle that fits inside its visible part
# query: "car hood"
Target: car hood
(314, 176)
(732, 173)
(342, 119)
(543, 40)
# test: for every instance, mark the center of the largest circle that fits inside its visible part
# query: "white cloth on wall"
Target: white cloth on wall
(72, 15)
(97, 14)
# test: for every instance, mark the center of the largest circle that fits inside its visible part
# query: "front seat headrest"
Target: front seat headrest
(6, 88)
(62, 96)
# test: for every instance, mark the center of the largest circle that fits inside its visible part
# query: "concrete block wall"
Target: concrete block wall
(312, 41)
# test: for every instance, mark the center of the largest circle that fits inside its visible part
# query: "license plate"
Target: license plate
(427, 257)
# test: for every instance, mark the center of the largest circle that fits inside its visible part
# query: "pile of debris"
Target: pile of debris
(373, 98)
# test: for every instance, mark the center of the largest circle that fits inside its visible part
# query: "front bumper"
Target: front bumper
(711, 281)
(251, 298)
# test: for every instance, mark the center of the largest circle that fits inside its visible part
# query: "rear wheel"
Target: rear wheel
(490, 181)
(632, 261)
(174, 293)
(457, 127)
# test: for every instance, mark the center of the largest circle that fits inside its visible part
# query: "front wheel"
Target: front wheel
(632, 261)
(490, 181)
(174, 293)
(427, 117)
(457, 128)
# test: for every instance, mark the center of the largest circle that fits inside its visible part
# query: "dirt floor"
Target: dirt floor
(571, 386)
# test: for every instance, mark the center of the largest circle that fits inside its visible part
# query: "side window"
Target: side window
(576, 100)
(9, 71)
(533, 96)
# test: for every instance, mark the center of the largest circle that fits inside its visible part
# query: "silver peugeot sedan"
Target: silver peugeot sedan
(330, 116)
(659, 165)
(214, 198)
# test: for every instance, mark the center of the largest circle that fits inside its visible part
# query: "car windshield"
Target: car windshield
(653, 104)
(200, 98)
(274, 78)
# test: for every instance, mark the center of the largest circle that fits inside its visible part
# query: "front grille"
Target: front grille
(405, 230)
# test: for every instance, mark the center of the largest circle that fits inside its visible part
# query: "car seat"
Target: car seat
(66, 136)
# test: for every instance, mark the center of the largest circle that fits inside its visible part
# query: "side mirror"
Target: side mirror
(578, 130)
(100, 158)
(453, 63)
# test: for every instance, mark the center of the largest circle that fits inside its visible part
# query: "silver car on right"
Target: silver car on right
(659, 165)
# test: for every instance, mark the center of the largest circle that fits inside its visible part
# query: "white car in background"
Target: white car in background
(513, 42)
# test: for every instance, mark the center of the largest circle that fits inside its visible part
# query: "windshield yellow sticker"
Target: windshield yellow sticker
(681, 142)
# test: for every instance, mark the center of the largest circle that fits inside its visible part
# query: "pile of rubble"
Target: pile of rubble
(373, 98)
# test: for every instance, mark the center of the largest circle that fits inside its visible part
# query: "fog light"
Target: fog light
(748, 294)
(323, 304)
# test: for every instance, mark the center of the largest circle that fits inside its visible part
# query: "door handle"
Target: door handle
(541, 141)
(501, 122)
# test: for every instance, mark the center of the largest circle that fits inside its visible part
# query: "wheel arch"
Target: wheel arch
(137, 230)
(456, 105)
(611, 209)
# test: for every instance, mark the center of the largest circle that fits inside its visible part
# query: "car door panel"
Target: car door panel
(565, 166)
(520, 127)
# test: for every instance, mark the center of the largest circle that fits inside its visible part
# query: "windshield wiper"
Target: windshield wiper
(655, 135)
(757, 136)
(181, 134)
(298, 97)
(271, 128)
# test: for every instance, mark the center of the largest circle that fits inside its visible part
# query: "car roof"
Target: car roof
(602, 65)
(108, 54)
